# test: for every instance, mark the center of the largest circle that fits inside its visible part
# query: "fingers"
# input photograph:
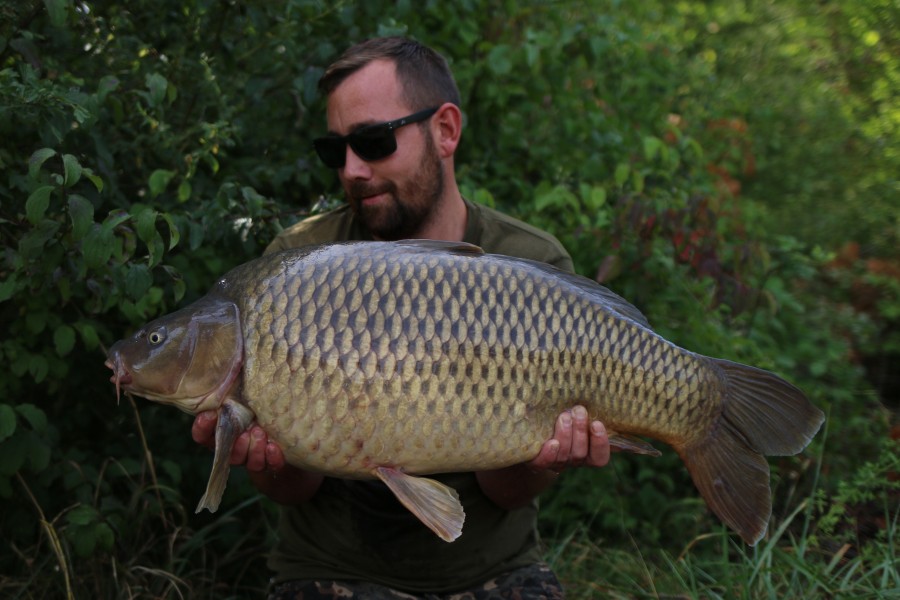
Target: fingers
(576, 442)
(252, 449)
(580, 442)
(203, 430)
(599, 445)
(547, 457)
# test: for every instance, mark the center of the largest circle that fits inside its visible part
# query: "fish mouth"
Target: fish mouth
(121, 377)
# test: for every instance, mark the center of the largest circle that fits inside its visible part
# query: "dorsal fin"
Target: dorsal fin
(442, 246)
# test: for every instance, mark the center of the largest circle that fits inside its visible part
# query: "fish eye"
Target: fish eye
(157, 336)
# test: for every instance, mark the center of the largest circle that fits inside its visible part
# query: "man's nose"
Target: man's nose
(355, 167)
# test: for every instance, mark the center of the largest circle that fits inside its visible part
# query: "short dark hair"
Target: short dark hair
(423, 73)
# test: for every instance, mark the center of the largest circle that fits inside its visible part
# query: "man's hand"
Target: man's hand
(575, 443)
(252, 449)
(263, 459)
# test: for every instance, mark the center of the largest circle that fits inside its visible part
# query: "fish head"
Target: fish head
(189, 358)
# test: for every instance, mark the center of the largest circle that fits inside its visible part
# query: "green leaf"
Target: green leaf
(32, 244)
(499, 59)
(37, 160)
(38, 367)
(159, 179)
(64, 339)
(81, 211)
(652, 147)
(13, 452)
(58, 11)
(8, 288)
(95, 179)
(157, 85)
(82, 515)
(556, 198)
(637, 181)
(38, 453)
(36, 321)
(37, 203)
(145, 223)
(174, 235)
(114, 219)
(621, 174)
(36, 417)
(97, 246)
(7, 421)
(72, 170)
(596, 198)
(178, 284)
(184, 191)
(88, 335)
(108, 83)
(138, 281)
(104, 536)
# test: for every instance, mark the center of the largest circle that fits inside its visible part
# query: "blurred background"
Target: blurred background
(731, 168)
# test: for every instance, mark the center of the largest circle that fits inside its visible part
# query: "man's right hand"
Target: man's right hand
(263, 459)
(252, 449)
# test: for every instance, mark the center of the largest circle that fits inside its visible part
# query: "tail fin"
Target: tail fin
(762, 414)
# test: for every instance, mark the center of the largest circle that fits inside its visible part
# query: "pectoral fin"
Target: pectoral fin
(234, 418)
(434, 503)
(627, 443)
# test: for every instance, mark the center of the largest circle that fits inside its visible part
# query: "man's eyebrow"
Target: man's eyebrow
(356, 127)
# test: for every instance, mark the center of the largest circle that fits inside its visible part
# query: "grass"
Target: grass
(809, 554)
(718, 566)
(225, 559)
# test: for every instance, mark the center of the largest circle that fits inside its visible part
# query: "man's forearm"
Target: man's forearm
(515, 486)
(288, 485)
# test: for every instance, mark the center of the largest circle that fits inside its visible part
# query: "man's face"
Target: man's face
(395, 196)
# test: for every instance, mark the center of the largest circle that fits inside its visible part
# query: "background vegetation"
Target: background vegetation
(730, 167)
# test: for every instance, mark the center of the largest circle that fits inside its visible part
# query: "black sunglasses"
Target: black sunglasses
(372, 142)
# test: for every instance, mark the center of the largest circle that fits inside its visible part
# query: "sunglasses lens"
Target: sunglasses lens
(332, 151)
(373, 143)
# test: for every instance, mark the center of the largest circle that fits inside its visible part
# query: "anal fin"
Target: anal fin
(434, 503)
(627, 443)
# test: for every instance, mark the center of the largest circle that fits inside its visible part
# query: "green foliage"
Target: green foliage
(679, 150)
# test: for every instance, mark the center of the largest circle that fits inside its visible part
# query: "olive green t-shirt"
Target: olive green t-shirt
(357, 530)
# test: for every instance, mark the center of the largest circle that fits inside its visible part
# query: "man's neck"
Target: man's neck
(449, 220)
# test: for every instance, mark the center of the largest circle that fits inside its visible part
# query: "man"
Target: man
(394, 125)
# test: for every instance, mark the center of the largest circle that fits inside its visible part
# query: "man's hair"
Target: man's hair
(424, 75)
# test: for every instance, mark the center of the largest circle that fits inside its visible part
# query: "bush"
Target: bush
(147, 148)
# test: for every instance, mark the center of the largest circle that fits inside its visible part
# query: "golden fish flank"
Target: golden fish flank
(393, 360)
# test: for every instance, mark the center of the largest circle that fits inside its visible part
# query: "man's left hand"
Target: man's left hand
(576, 442)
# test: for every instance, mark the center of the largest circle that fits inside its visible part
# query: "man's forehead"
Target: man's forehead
(370, 95)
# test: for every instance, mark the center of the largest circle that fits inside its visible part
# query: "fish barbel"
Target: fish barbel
(394, 360)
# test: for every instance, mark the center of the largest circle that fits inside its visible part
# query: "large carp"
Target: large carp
(393, 360)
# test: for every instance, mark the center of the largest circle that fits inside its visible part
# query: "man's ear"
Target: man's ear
(447, 129)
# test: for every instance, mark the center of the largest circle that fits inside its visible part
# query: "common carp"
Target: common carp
(393, 360)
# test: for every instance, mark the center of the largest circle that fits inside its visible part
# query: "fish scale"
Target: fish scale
(405, 304)
(392, 360)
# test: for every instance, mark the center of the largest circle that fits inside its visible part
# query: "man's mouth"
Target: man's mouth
(373, 198)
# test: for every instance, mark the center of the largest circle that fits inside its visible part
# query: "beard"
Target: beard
(412, 204)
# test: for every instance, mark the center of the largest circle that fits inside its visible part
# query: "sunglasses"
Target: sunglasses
(372, 142)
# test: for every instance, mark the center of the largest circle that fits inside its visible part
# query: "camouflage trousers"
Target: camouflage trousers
(534, 582)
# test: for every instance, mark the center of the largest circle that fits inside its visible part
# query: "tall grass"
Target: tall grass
(803, 556)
